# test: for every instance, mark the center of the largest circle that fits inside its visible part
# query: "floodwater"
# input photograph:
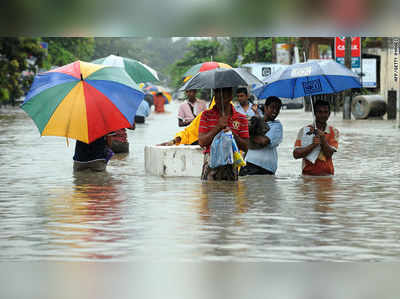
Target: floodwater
(48, 213)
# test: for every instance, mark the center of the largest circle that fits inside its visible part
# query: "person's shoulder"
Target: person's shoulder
(208, 112)
(335, 130)
(301, 130)
(237, 114)
(275, 121)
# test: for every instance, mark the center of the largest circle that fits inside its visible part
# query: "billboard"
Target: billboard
(340, 52)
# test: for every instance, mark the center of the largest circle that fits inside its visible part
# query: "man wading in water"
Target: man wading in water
(223, 116)
(324, 138)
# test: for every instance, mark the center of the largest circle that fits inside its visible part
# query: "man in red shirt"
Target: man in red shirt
(222, 117)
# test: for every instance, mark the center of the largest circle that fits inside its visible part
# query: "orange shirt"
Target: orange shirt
(323, 165)
(159, 102)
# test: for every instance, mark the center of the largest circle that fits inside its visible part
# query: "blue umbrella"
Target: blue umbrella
(309, 78)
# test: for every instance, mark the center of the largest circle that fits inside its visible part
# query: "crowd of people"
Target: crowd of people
(257, 132)
(255, 129)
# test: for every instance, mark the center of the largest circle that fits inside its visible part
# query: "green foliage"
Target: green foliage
(20, 59)
(64, 50)
(157, 53)
(198, 51)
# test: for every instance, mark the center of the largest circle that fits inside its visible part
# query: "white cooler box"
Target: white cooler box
(173, 161)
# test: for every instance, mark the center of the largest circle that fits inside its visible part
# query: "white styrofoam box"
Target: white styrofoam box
(173, 161)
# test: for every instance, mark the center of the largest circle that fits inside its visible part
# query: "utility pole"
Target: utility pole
(347, 93)
(257, 53)
(273, 49)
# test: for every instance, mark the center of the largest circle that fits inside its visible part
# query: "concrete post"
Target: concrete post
(347, 93)
(391, 104)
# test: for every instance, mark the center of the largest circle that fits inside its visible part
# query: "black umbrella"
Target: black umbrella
(220, 78)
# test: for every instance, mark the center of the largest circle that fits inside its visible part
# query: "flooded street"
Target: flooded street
(49, 213)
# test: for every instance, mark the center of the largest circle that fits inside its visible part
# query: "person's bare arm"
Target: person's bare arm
(205, 139)
(109, 140)
(261, 140)
(183, 123)
(176, 140)
(242, 143)
(301, 152)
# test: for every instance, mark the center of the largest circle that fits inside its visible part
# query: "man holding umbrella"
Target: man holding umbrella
(323, 143)
(222, 116)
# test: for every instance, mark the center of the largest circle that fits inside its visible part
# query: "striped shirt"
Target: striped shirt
(237, 123)
(323, 165)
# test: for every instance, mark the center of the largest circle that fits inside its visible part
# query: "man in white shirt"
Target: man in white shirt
(244, 106)
(265, 159)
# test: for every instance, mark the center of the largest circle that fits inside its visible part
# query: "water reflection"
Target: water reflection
(88, 218)
(322, 189)
(218, 198)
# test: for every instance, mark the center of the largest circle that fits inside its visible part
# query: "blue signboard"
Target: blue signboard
(355, 61)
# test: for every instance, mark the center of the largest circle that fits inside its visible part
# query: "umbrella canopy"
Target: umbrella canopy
(138, 71)
(83, 101)
(202, 67)
(220, 78)
(309, 78)
(153, 89)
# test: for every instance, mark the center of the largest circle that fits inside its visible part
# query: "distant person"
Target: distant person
(322, 141)
(190, 108)
(93, 156)
(148, 97)
(142, 112)
(159, 102)
(222, 116)
(264, 159)
(245, 106)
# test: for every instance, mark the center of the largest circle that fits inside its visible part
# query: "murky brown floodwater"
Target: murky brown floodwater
(48, 213)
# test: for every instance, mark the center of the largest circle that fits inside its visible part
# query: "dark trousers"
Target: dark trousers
(252, 169)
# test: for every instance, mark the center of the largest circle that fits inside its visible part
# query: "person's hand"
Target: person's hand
(167, 143)
(316, 140)
(319, 133)
(222, 122)
(254, 108)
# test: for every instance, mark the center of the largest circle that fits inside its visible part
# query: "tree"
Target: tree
(20, 59)
(64, 50)
(198, 51)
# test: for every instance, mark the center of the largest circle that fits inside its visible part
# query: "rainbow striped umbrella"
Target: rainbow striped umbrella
(202, 67)
(83, 101)
(153, 89)
(138, 71)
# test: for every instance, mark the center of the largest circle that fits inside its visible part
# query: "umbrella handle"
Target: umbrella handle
(313, 114)
(222, 102)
